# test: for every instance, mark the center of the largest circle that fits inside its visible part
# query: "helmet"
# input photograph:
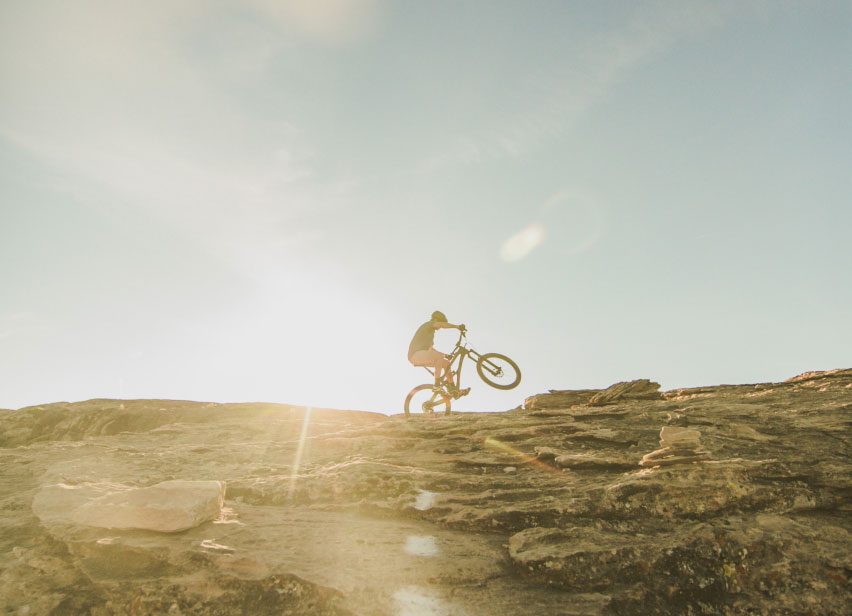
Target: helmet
(439, 316)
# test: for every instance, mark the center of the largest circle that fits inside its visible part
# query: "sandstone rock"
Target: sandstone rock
(668, 456)
(545, 454)
(820, 374)
(170, 506)
(581, 461)
(694, 564)
(679, 438)
(677, 446)
(748, 433)
(679, 493)
(77, 420)
(603, 436)
(640, 389)
(559, 399)
(582, 558)
(761, 529)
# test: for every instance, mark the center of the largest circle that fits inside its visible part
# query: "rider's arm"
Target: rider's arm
(446, 326)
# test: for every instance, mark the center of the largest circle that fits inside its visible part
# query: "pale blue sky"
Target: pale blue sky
(261, 200)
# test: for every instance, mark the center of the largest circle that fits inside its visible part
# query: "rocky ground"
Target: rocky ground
(732, 499)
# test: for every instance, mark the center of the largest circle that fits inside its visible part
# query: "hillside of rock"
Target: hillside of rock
(729, 499)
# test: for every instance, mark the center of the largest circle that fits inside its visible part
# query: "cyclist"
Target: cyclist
(422, 353)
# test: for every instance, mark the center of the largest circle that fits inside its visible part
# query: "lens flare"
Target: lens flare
(425, 500)
(421, 545)
(525, 457)
(297, 459)
(573, 218)
(523, 242)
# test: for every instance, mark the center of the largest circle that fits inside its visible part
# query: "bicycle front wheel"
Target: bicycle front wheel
(498, 371)
(424, 399)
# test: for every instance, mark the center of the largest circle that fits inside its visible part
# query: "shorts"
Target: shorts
(429, 358)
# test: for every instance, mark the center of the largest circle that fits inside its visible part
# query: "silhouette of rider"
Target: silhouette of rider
(422, 353)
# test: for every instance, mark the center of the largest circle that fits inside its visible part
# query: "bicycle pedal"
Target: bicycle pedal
(458, 393)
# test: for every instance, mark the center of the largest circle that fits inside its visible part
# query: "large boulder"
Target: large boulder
(167, 507)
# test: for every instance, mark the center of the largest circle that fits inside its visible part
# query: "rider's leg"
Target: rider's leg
(448, 377)
(442, 371)
(433, 359)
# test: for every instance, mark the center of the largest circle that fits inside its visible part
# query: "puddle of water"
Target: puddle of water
(421, 545)
(425, 500)
(416, 601)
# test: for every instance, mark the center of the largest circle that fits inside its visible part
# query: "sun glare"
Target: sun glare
(523, 242)
(523, 457)
(297, 459)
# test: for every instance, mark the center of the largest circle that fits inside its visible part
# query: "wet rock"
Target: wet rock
(640, 389)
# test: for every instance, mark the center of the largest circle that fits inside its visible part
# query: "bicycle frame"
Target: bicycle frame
(457, 357)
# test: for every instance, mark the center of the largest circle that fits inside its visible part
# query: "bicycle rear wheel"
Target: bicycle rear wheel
(424, 399)
(498, 371)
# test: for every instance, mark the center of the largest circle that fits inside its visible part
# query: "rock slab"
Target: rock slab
(167, 507)
(677, 446)
(640, 389)
(559, 399)
(395, 515)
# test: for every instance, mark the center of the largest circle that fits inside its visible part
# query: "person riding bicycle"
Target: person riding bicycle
(422, 353)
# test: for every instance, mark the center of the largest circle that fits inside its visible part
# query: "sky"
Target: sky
(261, 200)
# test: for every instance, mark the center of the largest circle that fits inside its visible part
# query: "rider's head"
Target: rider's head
(439, 317)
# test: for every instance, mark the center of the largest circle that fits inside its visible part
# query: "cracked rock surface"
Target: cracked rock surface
(741, 507)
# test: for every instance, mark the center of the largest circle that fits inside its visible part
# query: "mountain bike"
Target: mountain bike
(494, 368)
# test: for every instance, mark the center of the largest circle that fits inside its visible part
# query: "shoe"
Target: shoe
(458, 393)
